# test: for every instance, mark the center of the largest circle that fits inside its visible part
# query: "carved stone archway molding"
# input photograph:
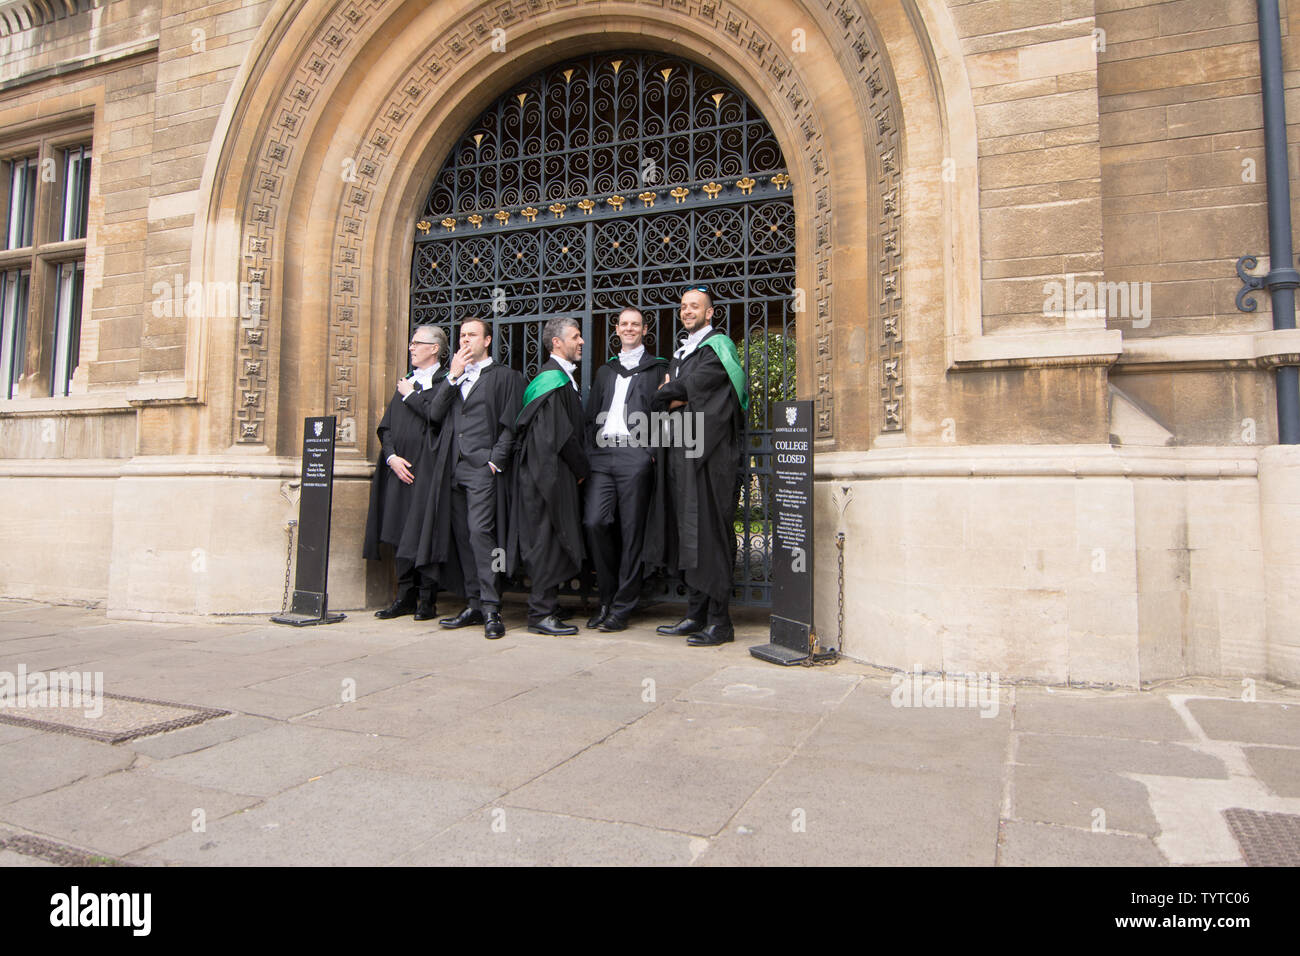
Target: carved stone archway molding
(284, 103)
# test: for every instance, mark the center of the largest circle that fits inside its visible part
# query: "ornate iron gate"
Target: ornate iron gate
(622, 179)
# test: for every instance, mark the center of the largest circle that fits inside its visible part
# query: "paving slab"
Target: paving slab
(17, 645)
(867, 727)
(440, 652)
(257, 703)
(508, 836)
(200, 736)
(1142, 716)
(121, 812)
(490, 749)
(317, 653)
(1256, 722)
(184, 668)
(1040, 844)
(66, 657)
(819, 812)
(47, 761)
(1070, 797)
(349, 817)
(255, 640)
(541, 659)
(334, 683)
(806, 690)
(10, 858)
(1133, 756)
(11, 732)
(687, 793)
(717, 730)
(621, 703)
(416, 708)
(670, 671)
(1277, 767)
(265, 763)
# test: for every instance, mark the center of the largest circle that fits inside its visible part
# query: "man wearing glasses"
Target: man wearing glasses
(407, 439)
(705, 380)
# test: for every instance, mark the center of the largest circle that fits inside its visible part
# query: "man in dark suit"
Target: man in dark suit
(706, 383)
(407, 440)
(545, 539)
(477, 406)
(620, 452)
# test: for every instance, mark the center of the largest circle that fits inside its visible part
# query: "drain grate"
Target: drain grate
(1266, 839)
(110, 718)
(57, 853)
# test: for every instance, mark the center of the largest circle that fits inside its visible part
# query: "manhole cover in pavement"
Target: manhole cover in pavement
(1266, 839)
(63, 703)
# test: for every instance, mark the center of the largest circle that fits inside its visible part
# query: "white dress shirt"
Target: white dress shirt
(423, 377)
(692, 342)
(568, 367)
(616, 421)
(470, 376)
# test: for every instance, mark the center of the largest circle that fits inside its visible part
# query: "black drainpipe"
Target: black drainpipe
(1282, 278)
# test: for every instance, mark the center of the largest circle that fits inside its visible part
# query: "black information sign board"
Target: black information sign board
(310, 604)
(792, 534)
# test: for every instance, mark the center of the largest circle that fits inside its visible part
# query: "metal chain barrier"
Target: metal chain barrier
(839, 546)
(290, 532)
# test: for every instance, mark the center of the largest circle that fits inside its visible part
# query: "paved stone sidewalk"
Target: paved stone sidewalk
(372, 742)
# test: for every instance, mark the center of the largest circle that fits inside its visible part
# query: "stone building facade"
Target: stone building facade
(1045, 427)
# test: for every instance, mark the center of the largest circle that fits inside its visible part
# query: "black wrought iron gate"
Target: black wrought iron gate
(613, 180)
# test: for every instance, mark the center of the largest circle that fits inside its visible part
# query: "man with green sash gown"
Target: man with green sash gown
(706, 383)
(545, 527)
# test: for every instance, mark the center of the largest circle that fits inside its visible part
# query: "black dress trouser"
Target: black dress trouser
(474, 526)
(618, 498)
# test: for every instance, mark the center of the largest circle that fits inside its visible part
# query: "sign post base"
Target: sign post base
(778, 654)
(308, 607)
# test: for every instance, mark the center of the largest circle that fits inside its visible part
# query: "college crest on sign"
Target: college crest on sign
(318, 427)
(791, 413)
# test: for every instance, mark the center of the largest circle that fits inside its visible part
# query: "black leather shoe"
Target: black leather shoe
(712, 636)
(552, 625)
(493, 628)
(613, 623)
(471, 615)
(396, 609)
(426, 611)
(598, 618)
(684, 626)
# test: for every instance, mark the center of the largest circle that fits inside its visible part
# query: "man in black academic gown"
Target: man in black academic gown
(476, 405)
(620, 452)
(545, 539)
(706, 388)
(407, 440)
